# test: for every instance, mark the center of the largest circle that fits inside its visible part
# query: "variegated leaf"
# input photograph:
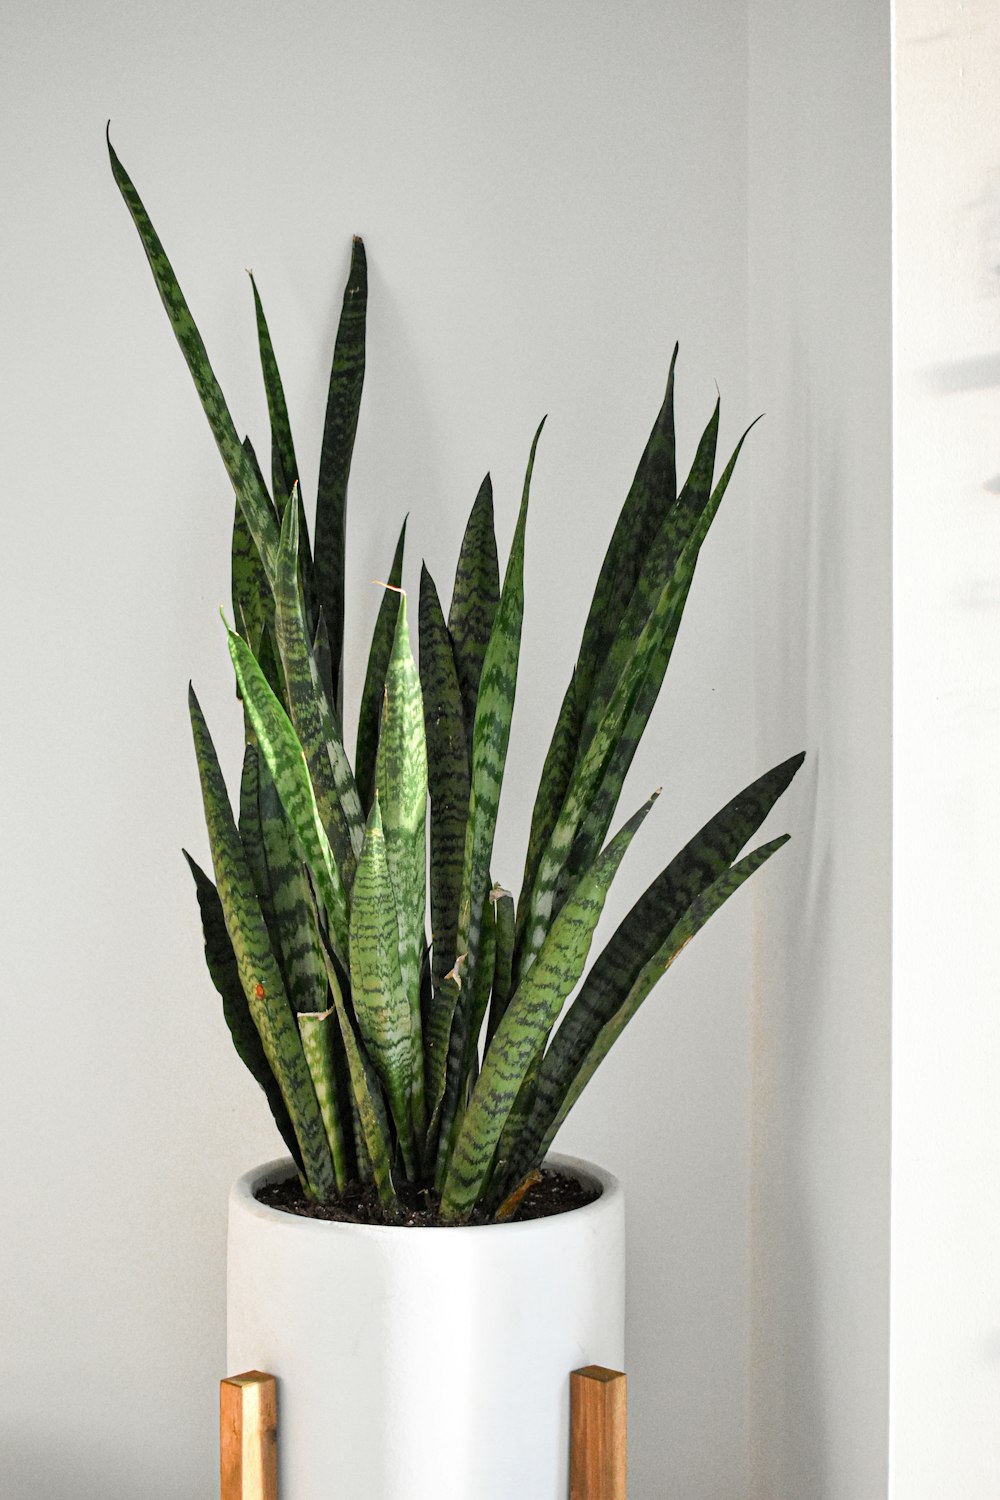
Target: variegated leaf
(401, 796)
(521, 1035)
(474, 600)
(377, 991)
(281, 750)
(255, 503)
(225, 974)
(343, 404)
(373, 692)
(311, 713)
(259, 973)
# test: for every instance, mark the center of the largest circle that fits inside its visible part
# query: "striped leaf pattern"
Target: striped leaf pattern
(528, 1019)
(401, 799)
(491, 735)
(340, 428)
(474, 600)
(225, 974)
(372, 696)
(258, 969)
(380, 1000)
(447, 776)
(253, 500)
(284, 469)
(551, 1106)
(283, 754)
(317, 1030)
(374, 1147)
(320, 892)
(311, 714)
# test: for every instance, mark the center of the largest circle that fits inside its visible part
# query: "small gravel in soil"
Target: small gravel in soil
(554, 1193)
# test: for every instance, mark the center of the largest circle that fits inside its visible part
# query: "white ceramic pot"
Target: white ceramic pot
(425, 1364)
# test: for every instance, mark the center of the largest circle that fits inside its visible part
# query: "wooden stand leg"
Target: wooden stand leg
(597, 1447)
(248, 1426)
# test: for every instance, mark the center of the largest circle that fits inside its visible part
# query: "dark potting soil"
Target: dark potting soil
(553, 1193)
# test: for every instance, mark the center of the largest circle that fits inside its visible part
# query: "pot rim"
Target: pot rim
(242, 1199)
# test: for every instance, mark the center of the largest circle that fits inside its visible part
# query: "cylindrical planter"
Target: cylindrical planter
(425, 1364)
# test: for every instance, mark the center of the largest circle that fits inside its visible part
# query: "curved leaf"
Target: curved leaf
(474, 600)
(253, 500)
(281, 750)
(521, 1035)
(259, 973)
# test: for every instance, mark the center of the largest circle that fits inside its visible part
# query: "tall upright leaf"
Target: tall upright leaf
(225, 974)
(311, 713)
(370, 717)
(474, 600)
(317, 1030)
(284, 468)
(401, 797)
(522, 1033)
(597, 820)
(259, 973)
(377, 991)
(281, 750)
(298, 944)
(651, 495)
(447, 776)
(491, 735)
(255, 503)
(343, 404)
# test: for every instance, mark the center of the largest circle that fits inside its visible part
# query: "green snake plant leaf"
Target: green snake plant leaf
(401, 797)
(286, 761)
(259, 973)
(491, 735)
(474, 600)
(253, 499)
(310, 710)
(318, 1030)
(653, 492)
(380, 1000)
(372, 695)
(503, 904)
(556, 774)
(374, 1149)
(298, 944)
(252, 839)
(522, 1033)
(646, 928)
(225, 974)
(253, 605)
(340, 428)
(597, 778)
(284, 469)
(447, 776)
(660, 556)
(551, 1106)
(598, 817)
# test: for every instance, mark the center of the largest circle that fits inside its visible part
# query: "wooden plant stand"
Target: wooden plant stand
(248, 1435)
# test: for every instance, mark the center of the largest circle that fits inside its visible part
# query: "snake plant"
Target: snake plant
(425, 1032)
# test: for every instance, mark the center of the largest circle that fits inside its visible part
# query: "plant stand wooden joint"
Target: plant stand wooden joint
(248, 1430)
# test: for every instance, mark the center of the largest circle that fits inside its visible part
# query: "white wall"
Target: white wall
(946, 1015)
(820, 352)
(550, 196)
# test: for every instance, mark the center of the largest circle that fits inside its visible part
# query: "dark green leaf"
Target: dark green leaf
(343, 403)
(373, 692)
